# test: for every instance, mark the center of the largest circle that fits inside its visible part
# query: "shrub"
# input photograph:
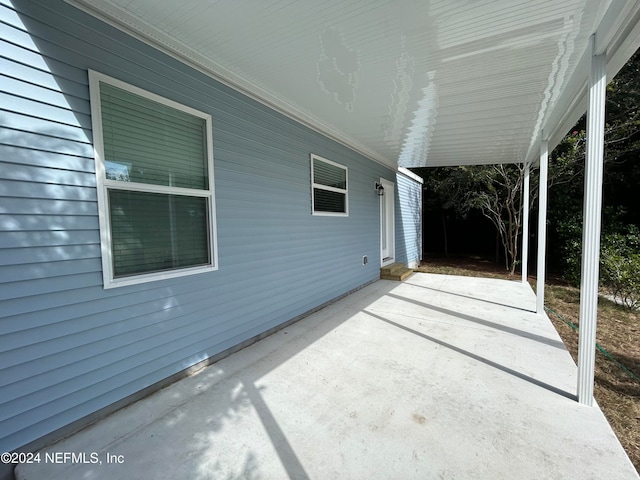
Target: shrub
(619, 255)
(568, 244)
(620, 265)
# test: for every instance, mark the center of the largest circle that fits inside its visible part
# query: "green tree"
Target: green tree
(621, 176)
(496, 190)
(493, 190)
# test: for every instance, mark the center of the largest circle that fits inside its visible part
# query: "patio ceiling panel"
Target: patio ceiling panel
(440, 82)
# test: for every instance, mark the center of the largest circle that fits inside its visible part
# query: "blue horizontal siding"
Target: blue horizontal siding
(408, 220)
(18, 273)
(48, 175)
(16, 256)
(35, 206)
(25, 155)
(44, 141)
(25, 189)
(31, 91)
(70, 347)
(15, 239)
(57, 283)
(54, 127)
(40, 109)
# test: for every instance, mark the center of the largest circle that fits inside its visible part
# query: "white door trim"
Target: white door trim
(387, 223)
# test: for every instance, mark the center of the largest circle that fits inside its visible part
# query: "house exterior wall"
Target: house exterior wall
(408, 220)
(69, 347)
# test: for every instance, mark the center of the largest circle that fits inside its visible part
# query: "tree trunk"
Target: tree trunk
(444, 234)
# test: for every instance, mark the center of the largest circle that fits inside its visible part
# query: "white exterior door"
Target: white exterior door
(387, 223)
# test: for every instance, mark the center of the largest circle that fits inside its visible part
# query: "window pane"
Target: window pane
(152, 232)
(147, 142)
(326, 174)
(326, 201)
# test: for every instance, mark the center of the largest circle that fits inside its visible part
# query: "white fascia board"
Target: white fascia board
(127, 23)
(625, 44)
(613, 24)
(618, 34)
(569, 108)
(410, 174)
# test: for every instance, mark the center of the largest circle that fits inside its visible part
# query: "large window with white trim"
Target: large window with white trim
(329, 187)
(154, 167)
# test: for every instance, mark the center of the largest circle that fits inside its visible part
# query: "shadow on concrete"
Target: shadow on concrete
(245, 417)
(476, 298)
(287, 455)
(514, 331)
(478, 358)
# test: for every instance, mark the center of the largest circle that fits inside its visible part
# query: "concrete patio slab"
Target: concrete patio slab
(437, 377)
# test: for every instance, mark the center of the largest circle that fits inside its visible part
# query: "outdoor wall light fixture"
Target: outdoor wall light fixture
(379, 189)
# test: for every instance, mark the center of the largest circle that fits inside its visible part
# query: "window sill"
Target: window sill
(152, 277)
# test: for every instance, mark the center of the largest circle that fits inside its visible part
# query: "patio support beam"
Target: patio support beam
(542, 225)
(525, 222)
(592, 215)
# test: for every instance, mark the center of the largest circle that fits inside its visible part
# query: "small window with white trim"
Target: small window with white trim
(154, 169)
(329, 185)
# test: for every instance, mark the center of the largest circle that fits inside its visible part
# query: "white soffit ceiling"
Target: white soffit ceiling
(408, 83)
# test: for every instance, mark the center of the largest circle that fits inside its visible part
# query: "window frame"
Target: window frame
(328, 188)
(103, 186)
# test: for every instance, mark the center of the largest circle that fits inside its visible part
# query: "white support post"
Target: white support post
(525, 222)
(542, 225)
(591, 228)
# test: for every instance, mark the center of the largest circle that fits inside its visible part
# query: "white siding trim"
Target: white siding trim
(390, 231)
(408, 173)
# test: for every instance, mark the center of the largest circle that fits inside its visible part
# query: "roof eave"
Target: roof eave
(618, 35)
